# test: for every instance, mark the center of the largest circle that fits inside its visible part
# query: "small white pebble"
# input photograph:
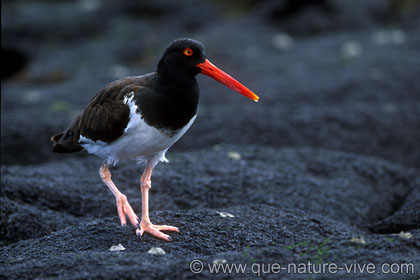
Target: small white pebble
(389, 107)
(398, 37)
(234, 155)
(156, 251)
(217, 261)
(386, 37)
(225, 214)
(282, 41)
(216, 148)
(405, 235)
(351, 49)
(32, 96)
(357, 240)
(118, 247)
(89, 5)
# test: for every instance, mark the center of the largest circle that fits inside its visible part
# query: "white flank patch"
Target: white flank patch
(139, 142)
(85, 140)
(128, 98)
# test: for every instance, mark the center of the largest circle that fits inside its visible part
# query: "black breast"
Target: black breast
(169, 107)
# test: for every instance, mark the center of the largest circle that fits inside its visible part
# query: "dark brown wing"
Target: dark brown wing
(106, 116)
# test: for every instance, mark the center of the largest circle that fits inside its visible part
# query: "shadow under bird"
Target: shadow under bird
(139, 118)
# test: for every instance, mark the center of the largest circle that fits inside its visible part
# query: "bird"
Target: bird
(138, 118)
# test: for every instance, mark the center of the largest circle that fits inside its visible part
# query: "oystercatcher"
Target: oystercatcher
(139, 118)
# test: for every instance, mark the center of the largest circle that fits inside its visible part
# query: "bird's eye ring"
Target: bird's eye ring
(188, 52)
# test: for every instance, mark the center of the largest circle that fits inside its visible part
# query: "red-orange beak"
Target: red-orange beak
(207, 68)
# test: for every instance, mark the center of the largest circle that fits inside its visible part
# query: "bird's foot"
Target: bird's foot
(155, 230)
(124, 209)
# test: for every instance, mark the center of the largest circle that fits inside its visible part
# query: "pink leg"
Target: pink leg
(145, 224)
(123, 206)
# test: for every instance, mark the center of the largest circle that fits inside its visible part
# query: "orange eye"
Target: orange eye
(188, 52)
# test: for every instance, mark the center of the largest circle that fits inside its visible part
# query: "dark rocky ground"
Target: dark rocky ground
(330, 153)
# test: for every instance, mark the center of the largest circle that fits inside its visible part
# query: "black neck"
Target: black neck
(173, 105)
(179, 85)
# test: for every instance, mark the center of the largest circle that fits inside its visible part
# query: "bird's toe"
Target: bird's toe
(155, 230)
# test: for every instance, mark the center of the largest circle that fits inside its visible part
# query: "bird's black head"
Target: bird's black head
(185, 58)
(181, 58)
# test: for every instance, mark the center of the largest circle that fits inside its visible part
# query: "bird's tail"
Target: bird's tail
(65, 143)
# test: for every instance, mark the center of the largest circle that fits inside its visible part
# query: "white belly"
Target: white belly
(140, 141)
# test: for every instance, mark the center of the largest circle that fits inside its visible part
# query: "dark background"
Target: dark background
(330, 152)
